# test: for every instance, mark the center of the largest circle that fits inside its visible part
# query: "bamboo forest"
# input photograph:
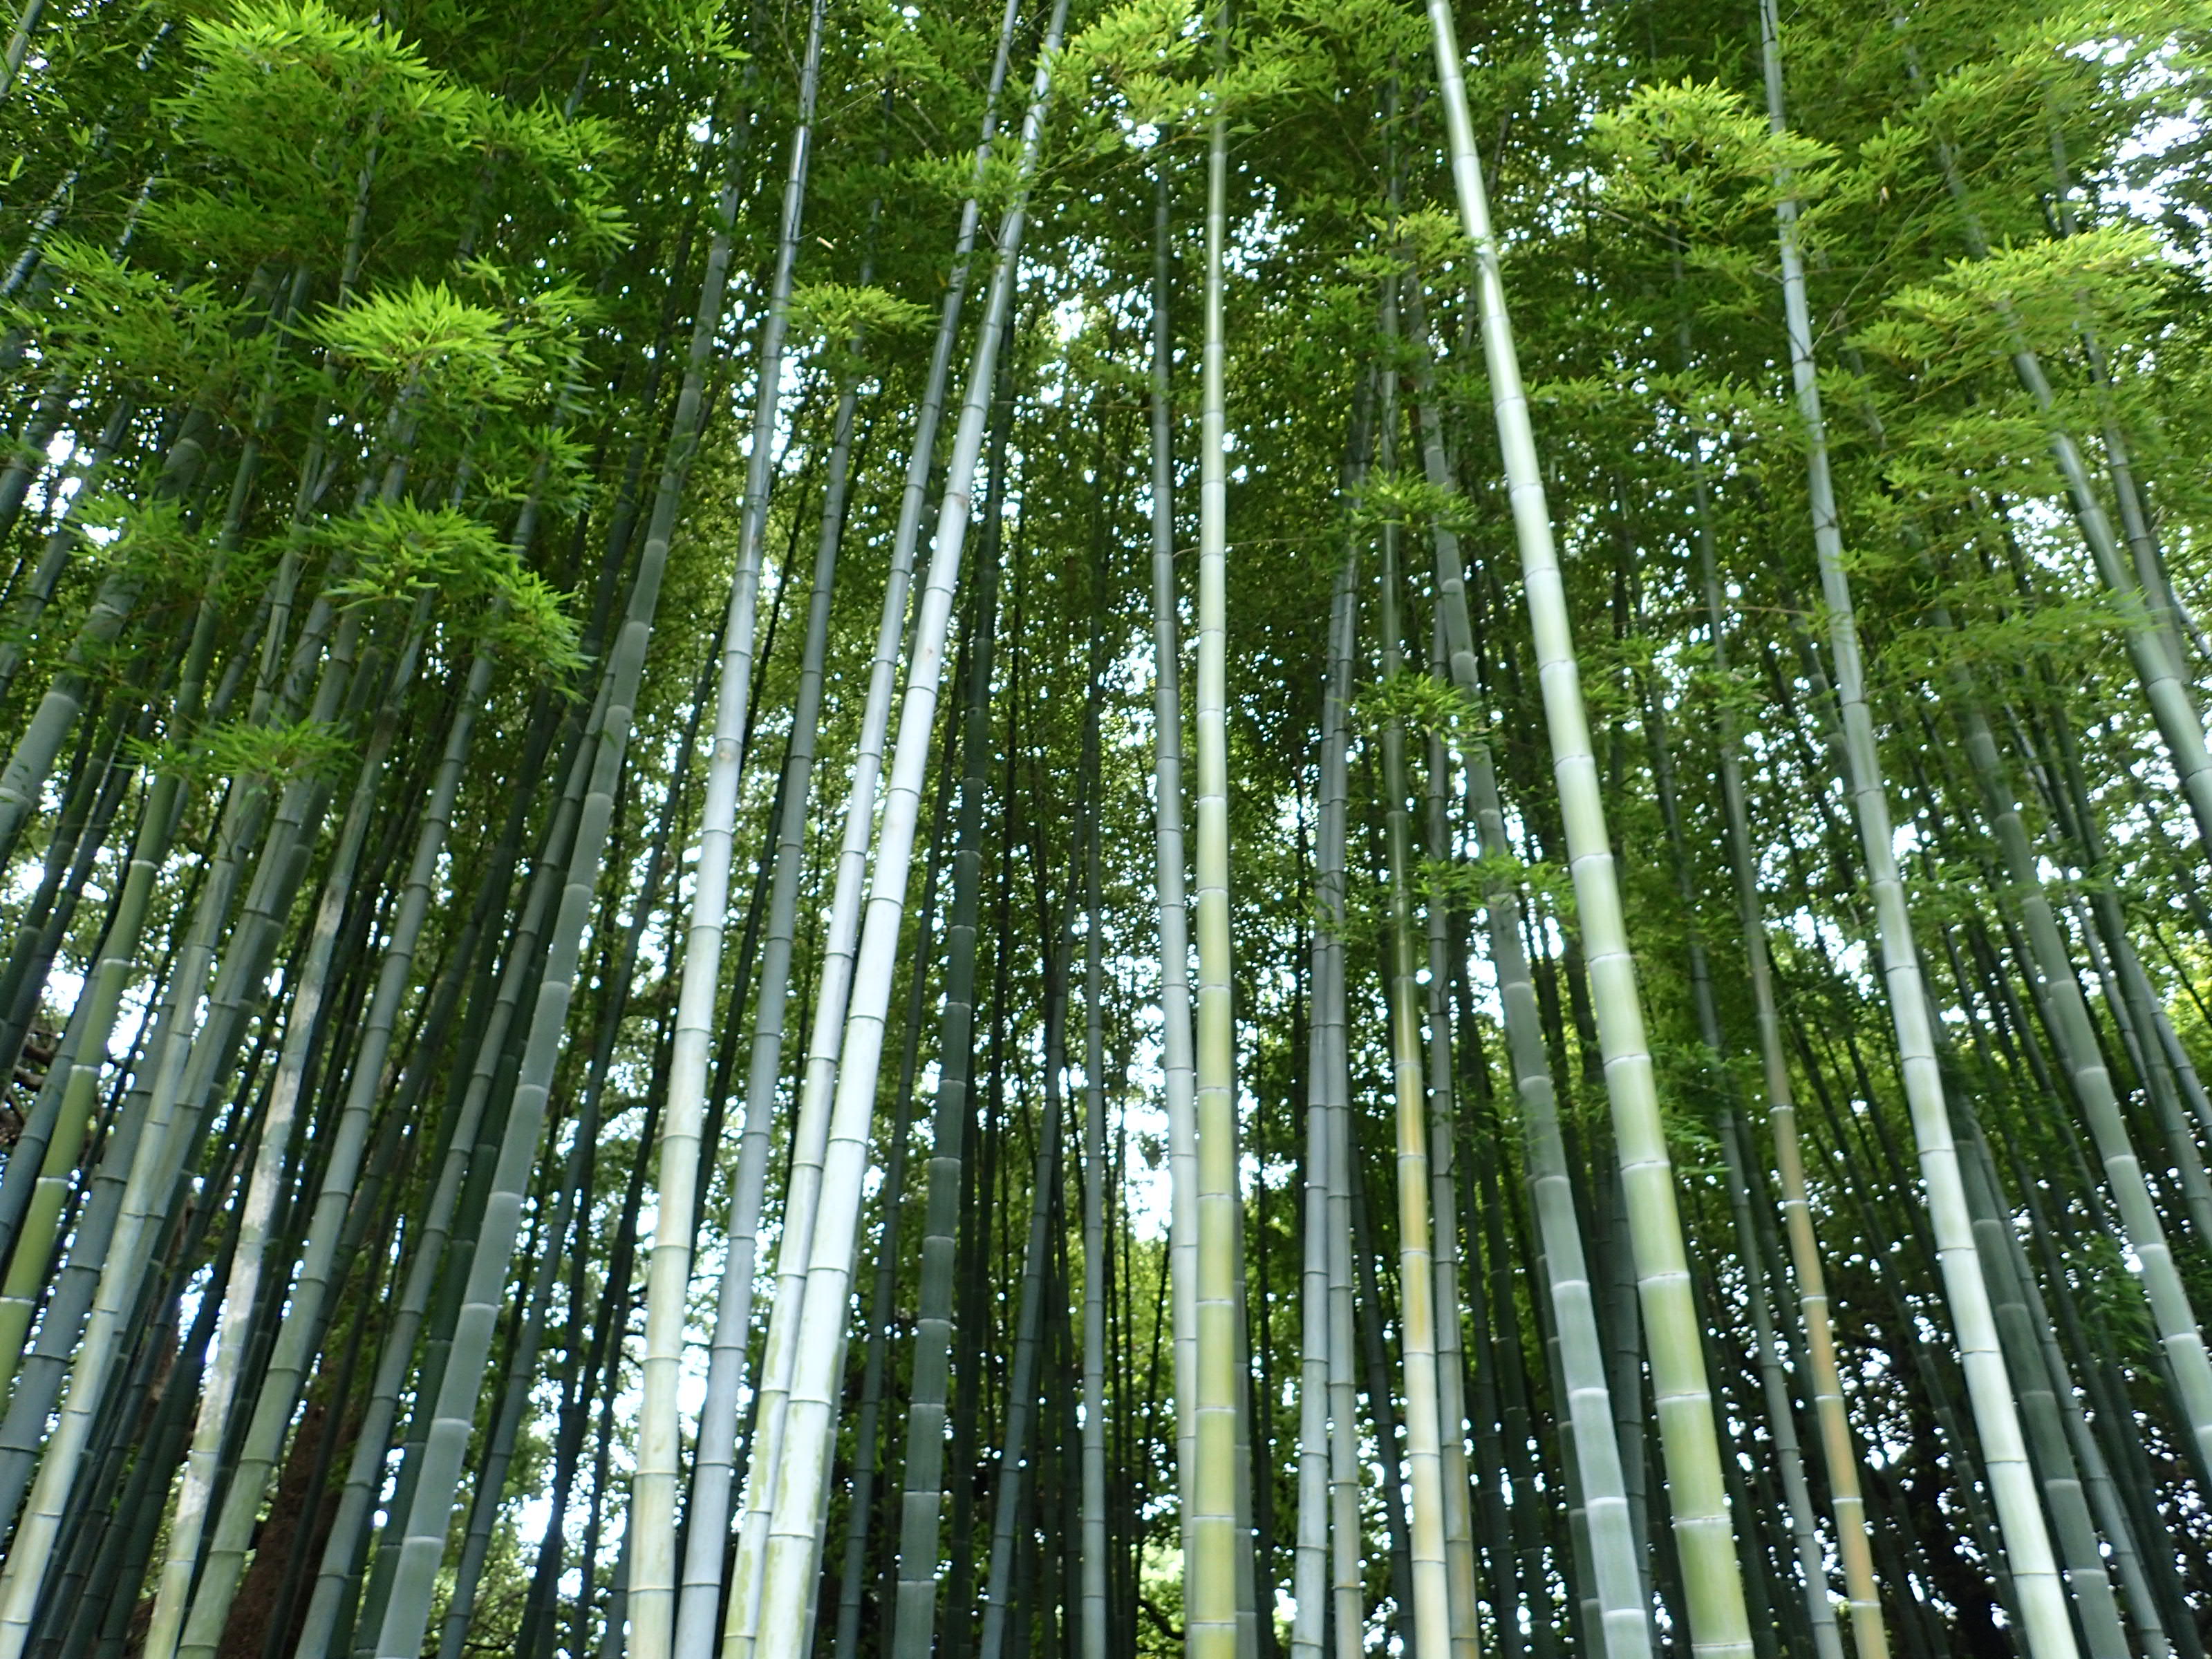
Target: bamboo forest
(1105, 829)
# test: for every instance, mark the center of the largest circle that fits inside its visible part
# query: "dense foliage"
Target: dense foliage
(826, 830)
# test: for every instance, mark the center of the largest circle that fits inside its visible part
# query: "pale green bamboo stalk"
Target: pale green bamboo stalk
(1176, 1039)
(446, 1407)
(1602, 1527)
(862, 1508)
(1839, 1439)
(1347, 1534)
(777, 1625)
(2038, 1594)
(1460, 1481)
(652, 1586)
(1316, 1581)
(1461, 1564)
(920, 1555)
(1214, 1553)
(513, 1397)
(1095, 1260)
(1433, 1630)
(1309, 1561)
(713, 1463)
(1346, 1539)
(1712, 1585)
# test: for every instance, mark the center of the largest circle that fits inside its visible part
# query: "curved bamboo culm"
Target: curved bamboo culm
(779, 1625)
(2040, 1596)
(572, 1187)
(108, 1254)
(922, 1469)
(651, 1584)
(1705, 1538)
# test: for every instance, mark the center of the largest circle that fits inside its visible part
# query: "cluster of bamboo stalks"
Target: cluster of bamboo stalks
(541, 1120)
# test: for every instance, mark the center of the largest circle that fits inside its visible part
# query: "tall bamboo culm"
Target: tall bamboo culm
(2038, 1591)
(1705, 1538)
